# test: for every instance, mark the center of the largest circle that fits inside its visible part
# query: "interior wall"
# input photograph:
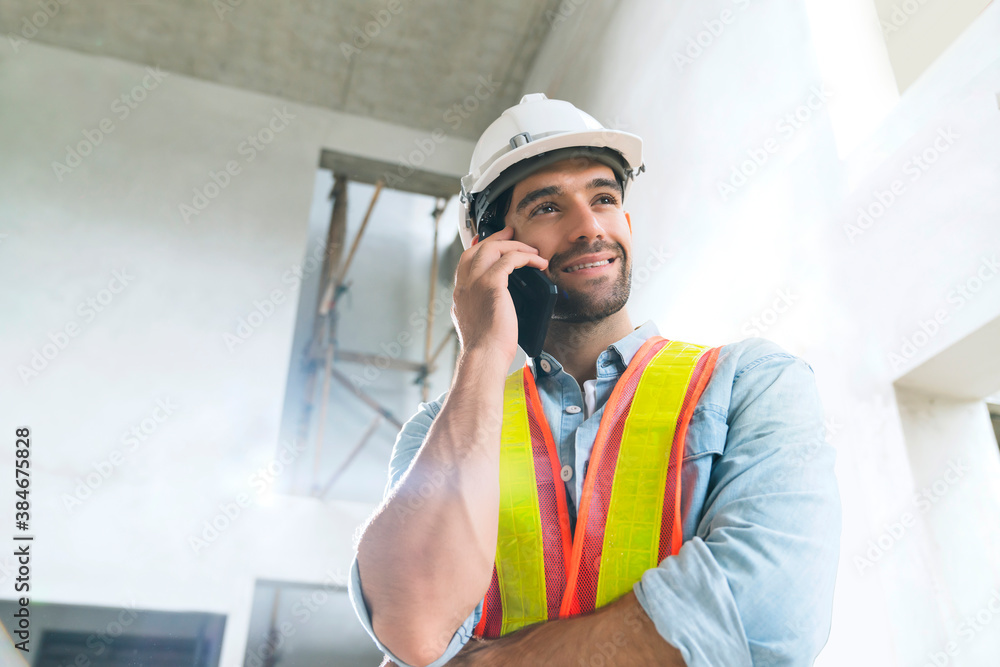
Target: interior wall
(918, 31)
(150, 426)
(956, 501)
(798, 197)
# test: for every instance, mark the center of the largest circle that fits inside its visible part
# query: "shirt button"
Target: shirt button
(546, 366)
(573, 409)
(566, 473)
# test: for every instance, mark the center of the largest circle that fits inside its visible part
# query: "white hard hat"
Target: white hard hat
(531, 135)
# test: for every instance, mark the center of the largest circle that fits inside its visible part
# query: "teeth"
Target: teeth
(587, 266)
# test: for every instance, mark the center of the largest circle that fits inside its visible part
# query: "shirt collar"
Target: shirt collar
(613, 361)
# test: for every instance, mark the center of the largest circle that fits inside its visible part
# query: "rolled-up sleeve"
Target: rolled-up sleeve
(408, 442)
(754, 585)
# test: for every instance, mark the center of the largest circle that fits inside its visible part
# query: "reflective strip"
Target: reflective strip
(632, 530)
(585, 538)
(556, 540)
(702, 374)
(520, 562)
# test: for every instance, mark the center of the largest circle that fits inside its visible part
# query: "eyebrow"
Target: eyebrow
(551, 190)
(535, 195)
(599, 183)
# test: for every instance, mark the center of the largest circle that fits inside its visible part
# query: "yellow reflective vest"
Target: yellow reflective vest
(629, 514)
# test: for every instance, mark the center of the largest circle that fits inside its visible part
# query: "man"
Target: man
(681, 509)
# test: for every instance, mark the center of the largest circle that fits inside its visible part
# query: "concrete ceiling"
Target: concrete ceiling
(423, 58)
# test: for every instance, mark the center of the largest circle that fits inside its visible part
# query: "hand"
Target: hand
(483, 311)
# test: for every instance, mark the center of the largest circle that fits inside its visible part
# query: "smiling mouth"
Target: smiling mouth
(589, 265)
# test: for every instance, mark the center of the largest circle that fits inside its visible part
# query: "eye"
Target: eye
(547, 207)
(607, 199)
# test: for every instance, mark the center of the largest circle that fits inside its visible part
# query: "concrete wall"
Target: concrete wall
(150, 353)
(954, 505)
(759, 212)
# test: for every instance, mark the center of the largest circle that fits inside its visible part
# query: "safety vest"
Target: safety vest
(629, 514)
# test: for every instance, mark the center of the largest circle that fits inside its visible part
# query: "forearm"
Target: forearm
(621, 634)
(427, 556)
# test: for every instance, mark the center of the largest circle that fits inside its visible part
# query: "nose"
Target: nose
(582, 224)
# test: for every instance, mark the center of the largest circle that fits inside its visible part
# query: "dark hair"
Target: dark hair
(493, 217)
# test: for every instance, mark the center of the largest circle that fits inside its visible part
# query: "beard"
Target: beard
(600, 297)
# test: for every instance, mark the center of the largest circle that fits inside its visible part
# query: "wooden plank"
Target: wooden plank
(397, 176)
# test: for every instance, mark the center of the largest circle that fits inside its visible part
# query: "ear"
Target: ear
(628, 219)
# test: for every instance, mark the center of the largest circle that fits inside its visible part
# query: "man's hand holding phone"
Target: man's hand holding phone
(483, 310)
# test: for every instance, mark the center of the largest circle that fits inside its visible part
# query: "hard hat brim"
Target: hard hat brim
(628, 145)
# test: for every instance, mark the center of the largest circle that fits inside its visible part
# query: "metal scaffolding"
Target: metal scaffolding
(323, 354)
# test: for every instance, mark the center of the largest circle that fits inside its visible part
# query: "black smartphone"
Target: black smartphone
(534, 297)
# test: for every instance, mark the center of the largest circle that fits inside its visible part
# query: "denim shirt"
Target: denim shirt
(753, 581)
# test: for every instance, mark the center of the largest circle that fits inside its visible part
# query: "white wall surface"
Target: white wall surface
(852, 297)
(160, 337)
(953, 453)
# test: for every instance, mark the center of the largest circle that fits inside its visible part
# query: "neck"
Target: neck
(577, 345)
